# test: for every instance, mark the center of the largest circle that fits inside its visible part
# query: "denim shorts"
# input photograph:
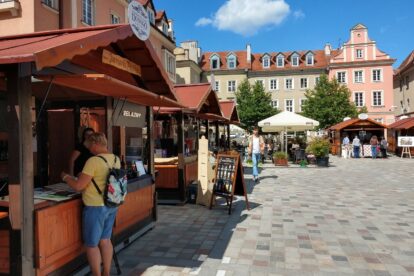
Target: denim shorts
(97, 223)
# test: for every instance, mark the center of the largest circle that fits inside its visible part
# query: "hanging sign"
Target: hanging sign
(138, 20)
(128, 114)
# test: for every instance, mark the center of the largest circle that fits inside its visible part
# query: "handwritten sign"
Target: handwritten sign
(138, 20)
(120, 63)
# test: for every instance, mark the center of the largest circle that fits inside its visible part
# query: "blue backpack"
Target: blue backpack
(116, 186)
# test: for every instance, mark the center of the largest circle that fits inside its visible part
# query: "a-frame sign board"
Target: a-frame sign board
(229, 179)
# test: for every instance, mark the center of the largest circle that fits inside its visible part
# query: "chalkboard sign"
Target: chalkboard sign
(229, 179)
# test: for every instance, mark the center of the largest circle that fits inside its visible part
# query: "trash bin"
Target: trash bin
(192, 192)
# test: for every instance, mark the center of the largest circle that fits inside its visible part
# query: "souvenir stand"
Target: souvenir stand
(400, 128)
(58, 82)
(176, 147)
(363, 128)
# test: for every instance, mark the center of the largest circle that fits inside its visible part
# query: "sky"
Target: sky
(287, 25)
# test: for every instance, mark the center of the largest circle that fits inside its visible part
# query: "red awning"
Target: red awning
(229, 110)
(406, 123)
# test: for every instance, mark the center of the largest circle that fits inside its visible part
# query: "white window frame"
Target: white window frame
(379, 120)
(214, 57)
(293, 83)
(307, 83)
(276, 83)
(262, 81)
(313, 59)
(151, 15)
(362, 76)
(363, 98)
(382, 98)
(217, 86)
(115, 16)
(301, 100)
(228, 86)
(361, 51)
(317, 79)
(345, 76)
(170, 64)
(85, 19)
(231, 56)
(266, 57)
(281, 57)
(294, 56)
(164, 27)
(293, 105)
(53, 4)
(276, 106)
(380, 77)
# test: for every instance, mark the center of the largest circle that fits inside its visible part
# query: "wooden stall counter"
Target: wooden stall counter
(168, 172)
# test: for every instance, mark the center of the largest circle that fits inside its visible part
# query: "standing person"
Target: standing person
(256, 149)
(374, 145)
(97, 219)
(383, 147)
(81, 154)
(346, 145)
(356, 143)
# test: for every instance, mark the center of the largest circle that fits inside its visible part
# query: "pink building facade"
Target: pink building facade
(367, 72)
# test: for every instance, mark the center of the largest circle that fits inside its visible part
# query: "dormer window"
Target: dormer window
(266, 61)
(295, 60)
(309, 59)
(151, 15)
(280, 60)
(165, 28)
(214, 62)
(231, 61)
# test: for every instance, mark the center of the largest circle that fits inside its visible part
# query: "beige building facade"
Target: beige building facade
(404, 87)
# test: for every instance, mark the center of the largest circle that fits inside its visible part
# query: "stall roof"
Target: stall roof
(356, 122)
(406, 123)
(229, 110)
(51, 48)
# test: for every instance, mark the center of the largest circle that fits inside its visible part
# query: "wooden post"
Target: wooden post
(228, 136)
(109, 125)
(150, 139)
(20, 168)
(181, 156)
(217, 134)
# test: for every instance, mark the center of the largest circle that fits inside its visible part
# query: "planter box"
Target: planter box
(280, 162)
(322, 161)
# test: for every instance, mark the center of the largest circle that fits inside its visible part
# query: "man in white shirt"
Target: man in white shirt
(346, 147)
(256, 149)
(356, 143)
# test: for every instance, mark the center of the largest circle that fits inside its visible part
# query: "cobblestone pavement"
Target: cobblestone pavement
(354, 218)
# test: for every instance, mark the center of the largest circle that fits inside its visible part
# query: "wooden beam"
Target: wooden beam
(109, 112)
(181, 156)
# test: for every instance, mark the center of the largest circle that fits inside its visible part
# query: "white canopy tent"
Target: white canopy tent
(287, 121)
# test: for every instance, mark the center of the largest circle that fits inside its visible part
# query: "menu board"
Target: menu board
(229, 179)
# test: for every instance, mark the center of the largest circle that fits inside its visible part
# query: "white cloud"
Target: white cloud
(247, 17)
(299, 14)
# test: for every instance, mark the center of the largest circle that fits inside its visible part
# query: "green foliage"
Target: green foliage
(319, 147)
(329, 103)
(253, 104)
(280, 155)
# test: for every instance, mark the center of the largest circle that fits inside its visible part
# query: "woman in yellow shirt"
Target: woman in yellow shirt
(97, 219)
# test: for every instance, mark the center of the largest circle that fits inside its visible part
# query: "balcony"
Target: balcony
(11, 6)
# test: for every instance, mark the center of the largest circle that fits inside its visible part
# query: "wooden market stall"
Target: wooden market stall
(176, 135)
(229, 110)
(364, 129)
(57, 83)
(402, 127)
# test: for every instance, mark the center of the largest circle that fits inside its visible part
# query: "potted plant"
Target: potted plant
(319, 147)
(280, 158)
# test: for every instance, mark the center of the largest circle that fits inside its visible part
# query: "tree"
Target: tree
(329, 103)
(253, 104)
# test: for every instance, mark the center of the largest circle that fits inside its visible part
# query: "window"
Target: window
(379, 120)
(317, 80)
(359, 53)
(88, 11)
(359, 99)
(151, 16)
(215, 62)
(289, 83)
(231, 86)
(54, 4)
(295, 60)
(341, 77)
(115, 19)
(376, 75)
(302, 102)
(275, 104)
(377, 98)
(407, 82)
(260, 82)
(289, 105)
(358, 76)
(274, 84)
(170, 64)
(165, 28)
(304, 83)
(280, 61)
(231, 61)
(217, 86)
(309, 59)
(266, 62)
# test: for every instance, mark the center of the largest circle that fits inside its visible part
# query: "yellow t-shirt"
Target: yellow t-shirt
(98, 169)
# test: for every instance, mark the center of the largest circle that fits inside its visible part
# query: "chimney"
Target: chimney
(328, 49)
(249, 53)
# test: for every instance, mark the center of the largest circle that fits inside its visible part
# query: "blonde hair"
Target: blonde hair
(96, 138)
